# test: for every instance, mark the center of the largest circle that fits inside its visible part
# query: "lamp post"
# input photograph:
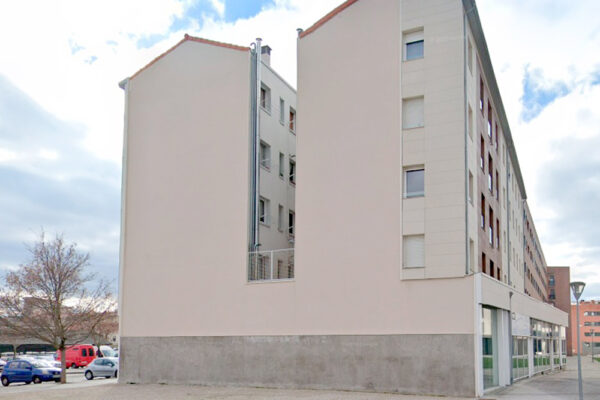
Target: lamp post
(592, 332)
(577, 288)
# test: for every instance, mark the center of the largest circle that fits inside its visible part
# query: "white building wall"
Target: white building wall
(277, 134)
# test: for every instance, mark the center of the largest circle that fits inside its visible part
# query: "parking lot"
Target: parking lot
(75, 379)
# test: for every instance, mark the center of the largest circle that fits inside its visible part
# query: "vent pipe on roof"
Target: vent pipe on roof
(265, 54)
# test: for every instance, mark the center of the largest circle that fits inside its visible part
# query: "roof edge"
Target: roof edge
(327, 17)
(186, 38)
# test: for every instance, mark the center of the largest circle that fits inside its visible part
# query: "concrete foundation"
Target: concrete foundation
(411, 364)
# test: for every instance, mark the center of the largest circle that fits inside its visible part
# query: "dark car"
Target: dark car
(28, 371)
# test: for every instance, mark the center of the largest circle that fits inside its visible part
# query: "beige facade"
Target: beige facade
(386, 197)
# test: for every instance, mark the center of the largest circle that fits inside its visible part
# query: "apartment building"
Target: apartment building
(407, 225)
(589, 318)
(559, 295)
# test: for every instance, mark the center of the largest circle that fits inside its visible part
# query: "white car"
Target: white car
(102, 367)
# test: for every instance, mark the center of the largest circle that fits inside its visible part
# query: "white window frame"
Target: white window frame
(265, 155)
(265, 103)
(281, 111)
(264, 206)
(281, 165)
(280, 217)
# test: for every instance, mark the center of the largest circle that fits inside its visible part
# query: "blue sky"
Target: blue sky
(61, 111)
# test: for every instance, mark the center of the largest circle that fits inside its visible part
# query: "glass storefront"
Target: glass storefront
(490, 347)
(546, 352)
(520, 357)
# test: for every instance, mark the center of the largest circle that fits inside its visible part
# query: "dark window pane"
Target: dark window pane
(414, 50)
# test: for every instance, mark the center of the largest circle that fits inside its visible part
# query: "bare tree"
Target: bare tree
(52, 298)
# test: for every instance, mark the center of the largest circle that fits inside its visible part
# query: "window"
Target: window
(292, 120)
(291, 223)
(263, 211)
(497, 233)
(265, 97)
(497, 139)
(491, 227)
(281, 111)
(280, 219)
(83, 353)
(281, 165)
(481, 94)
(489, 127)
(482, 211)
(470, 122)
(265, 155)
(470, 187)
(481, 153)
(292, 172)
(492, 269)
(483, 263)
(497, 186)
(414, 183)
(413, 250)
(413, 113)
(551, 281)
(490, 174)
(90, 352)
(414, 45)
(470, 55)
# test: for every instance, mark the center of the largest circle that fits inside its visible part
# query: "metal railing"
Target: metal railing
(271, 265)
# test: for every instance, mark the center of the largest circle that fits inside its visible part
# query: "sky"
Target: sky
(61, 110)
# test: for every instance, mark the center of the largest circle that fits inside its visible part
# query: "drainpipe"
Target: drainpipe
(256, 136)
(466, 133)
(511, 344)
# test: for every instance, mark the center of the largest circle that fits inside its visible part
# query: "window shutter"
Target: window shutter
(412, 113)
(414, 251)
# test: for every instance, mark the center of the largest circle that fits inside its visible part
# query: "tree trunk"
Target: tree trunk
(63, 364)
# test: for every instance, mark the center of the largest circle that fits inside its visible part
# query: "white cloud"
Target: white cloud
(219, 6)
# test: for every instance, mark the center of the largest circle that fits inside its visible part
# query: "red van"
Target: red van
(79, 355)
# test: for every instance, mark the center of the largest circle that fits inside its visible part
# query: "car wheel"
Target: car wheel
(28, 382)
(74, 366)
(36, 380)
(116, 372)
(88, 375)
(5, 381)
(57, 380)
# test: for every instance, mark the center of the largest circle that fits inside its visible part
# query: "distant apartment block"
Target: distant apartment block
(559, 295)
(389, 248)
(589, 317)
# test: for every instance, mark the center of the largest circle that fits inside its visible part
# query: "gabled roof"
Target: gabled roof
(327, 17)
(192, 39)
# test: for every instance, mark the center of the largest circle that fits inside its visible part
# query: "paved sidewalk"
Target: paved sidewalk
(114, 391)
(560, 385)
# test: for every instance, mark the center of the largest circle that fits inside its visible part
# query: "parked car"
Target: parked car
(50, 359)
(102, 367)
(79, 355)
(107, 351)
(2, 363)
(25, 371)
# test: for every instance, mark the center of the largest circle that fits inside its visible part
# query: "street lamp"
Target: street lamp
(577, 288)
(592, 332)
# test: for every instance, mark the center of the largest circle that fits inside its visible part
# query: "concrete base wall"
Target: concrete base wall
(412, 364)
